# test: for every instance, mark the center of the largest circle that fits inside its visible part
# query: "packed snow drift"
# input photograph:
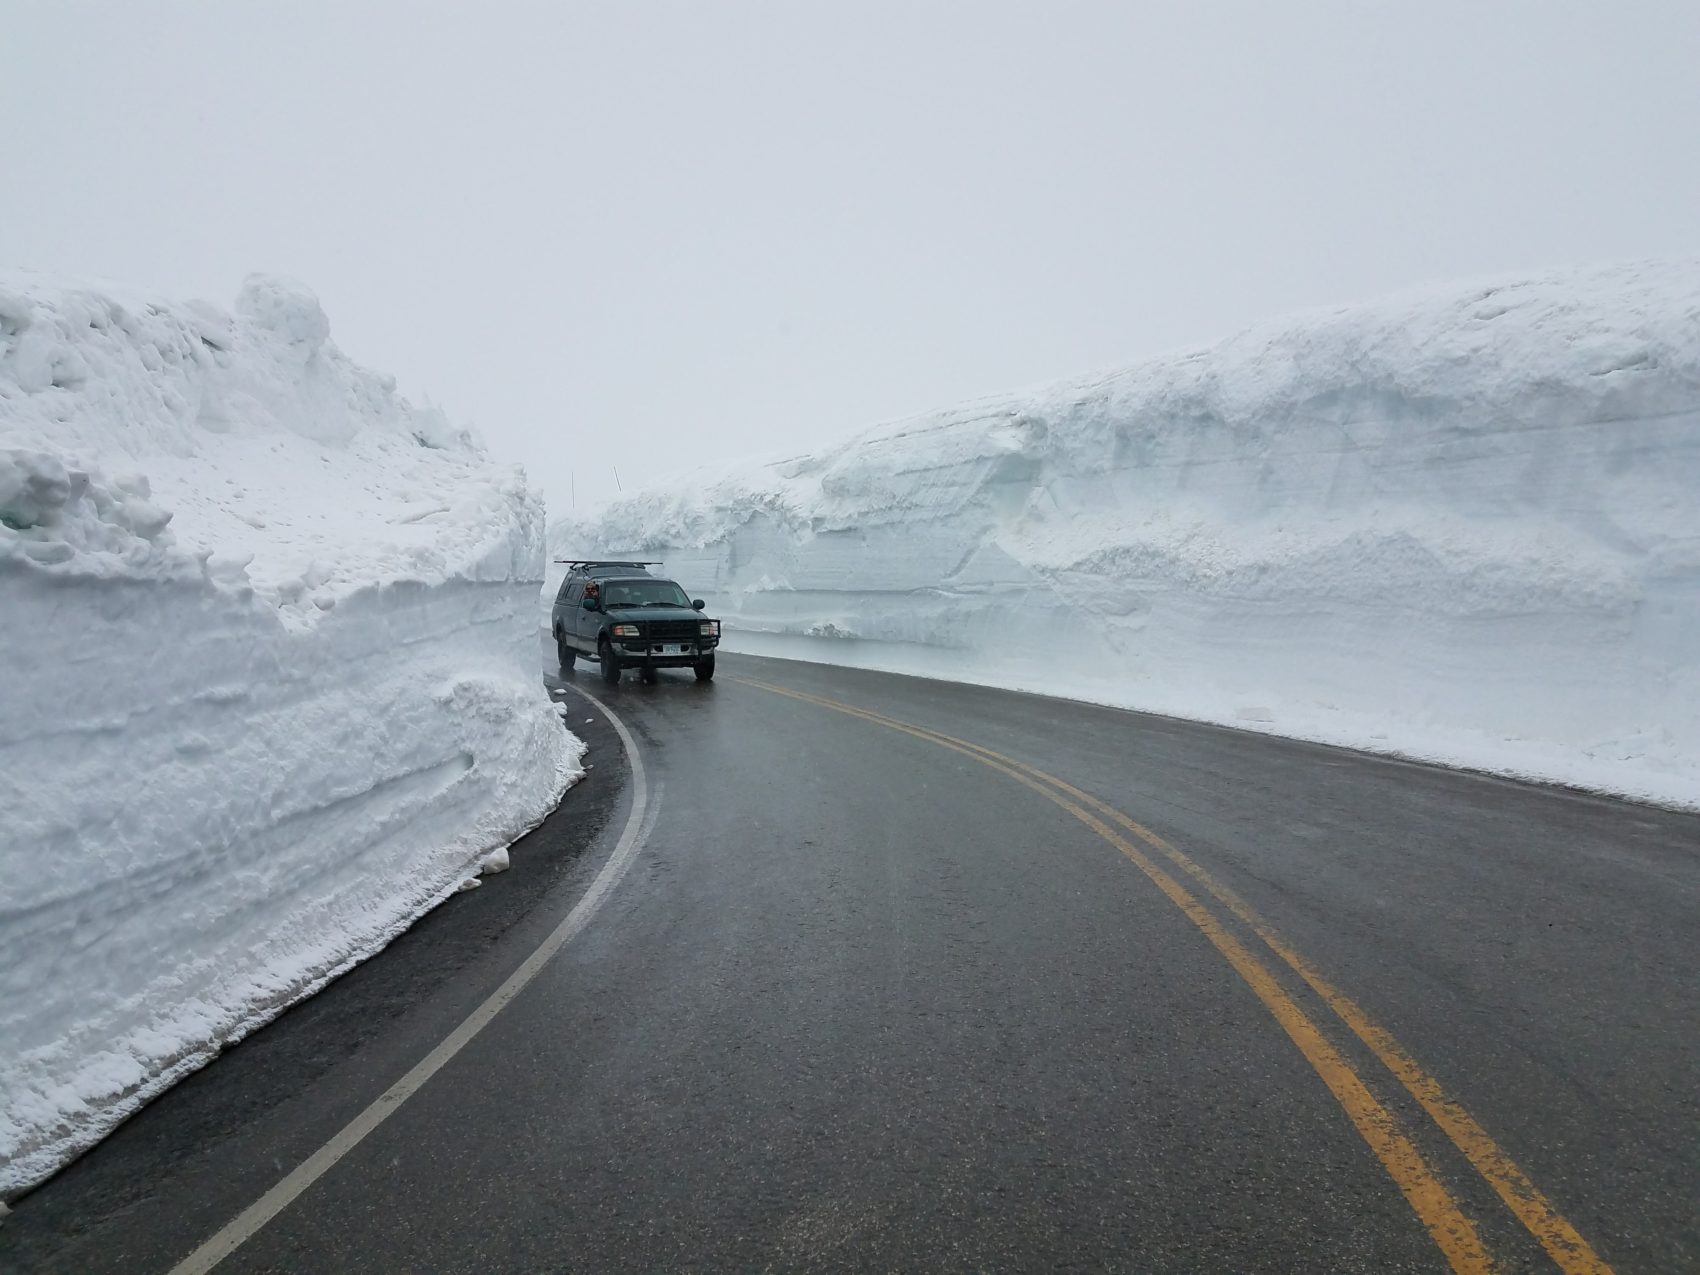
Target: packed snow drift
(1461, 524)
(269, 684)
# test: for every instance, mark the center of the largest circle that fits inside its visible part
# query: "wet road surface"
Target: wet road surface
(912, 975)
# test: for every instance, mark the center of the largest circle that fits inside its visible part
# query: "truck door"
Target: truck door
(571, 592)
(586, 624)
(560, 619)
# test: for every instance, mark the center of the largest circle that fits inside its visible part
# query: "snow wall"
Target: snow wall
(1460, 524)
(268, 684)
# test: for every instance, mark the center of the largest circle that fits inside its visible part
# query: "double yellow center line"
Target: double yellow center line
(1447, 1224)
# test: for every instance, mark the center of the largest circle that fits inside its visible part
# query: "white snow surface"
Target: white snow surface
(270, 684)
(1459, 524)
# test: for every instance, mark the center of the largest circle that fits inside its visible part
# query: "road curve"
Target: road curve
(912, 975)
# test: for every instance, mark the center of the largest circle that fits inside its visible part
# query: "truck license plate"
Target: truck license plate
(672, 648)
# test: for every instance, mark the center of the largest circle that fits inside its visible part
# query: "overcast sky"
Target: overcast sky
(655, 235)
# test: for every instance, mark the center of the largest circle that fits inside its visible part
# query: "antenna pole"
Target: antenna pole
(617, 486)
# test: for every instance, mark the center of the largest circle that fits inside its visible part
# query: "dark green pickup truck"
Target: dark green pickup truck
(622, 617)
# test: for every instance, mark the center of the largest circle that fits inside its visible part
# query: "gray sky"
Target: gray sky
(656, 235)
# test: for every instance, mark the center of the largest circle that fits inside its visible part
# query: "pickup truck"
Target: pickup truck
(621, 616)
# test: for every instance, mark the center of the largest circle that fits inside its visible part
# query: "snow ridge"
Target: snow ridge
(270, 683)
(1460, 524)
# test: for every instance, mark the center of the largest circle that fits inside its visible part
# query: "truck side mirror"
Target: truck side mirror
(590, 602)
(698, 605)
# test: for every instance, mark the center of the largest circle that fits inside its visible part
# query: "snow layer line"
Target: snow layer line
(1460, 524)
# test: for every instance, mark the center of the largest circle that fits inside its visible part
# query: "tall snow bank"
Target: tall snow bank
(1459, 524)
(268, 683)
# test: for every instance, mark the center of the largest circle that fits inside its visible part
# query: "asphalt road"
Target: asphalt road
(872, 998)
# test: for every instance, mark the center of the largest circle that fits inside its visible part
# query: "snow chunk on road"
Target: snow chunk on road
(270, 685)
(1458, 524)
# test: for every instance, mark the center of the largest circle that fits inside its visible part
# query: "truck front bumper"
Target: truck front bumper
(644, 654)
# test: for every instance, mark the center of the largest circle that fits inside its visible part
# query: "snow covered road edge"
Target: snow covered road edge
(271, 685)
(1459, 524)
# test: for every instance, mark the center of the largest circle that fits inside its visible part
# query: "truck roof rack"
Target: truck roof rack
(587, 563)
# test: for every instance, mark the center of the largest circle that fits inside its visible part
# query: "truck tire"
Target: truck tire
(705, 669)
(610, 662)
(565, 653)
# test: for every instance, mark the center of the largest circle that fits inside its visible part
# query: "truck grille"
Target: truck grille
(671, 630)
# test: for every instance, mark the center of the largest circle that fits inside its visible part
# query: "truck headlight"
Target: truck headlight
(625, 630)
(711, 628)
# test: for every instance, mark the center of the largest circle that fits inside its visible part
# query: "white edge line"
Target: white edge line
(247, 1223)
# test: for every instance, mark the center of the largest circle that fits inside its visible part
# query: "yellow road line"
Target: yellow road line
(1563, 1243)
(1452, 1232)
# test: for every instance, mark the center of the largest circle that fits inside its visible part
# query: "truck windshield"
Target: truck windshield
(643, 593)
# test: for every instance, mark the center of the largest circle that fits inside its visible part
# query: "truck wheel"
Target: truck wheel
(705, 669)
(610, 662)
(565, 653)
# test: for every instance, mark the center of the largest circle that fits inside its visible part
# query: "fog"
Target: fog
(649, 237)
